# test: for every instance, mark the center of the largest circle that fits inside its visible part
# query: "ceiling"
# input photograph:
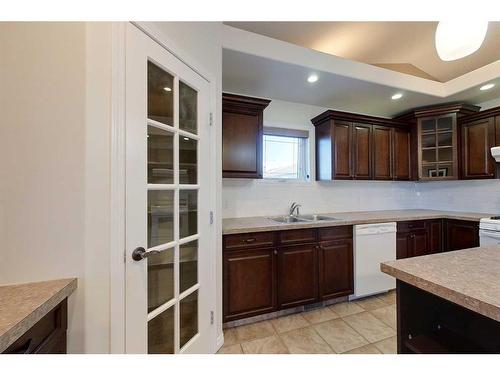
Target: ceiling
(406, 47)
(262, 77)
(261, 66)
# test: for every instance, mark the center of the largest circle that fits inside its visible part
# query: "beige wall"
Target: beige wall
(55, 166)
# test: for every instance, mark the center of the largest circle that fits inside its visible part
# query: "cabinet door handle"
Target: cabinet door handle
(275, 252)
(250, 240)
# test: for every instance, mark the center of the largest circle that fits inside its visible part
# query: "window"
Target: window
(285, 154)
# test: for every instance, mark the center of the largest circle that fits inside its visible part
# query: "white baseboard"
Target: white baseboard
(219, 342)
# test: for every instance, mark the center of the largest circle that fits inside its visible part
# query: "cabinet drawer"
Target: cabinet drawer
(288, 237)
(408, 226)
(47, 336)
(335, 233)
(249, 240)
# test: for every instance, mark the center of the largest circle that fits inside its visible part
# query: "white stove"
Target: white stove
(489, 231)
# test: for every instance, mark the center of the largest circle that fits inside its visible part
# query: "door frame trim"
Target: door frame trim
(117, 182)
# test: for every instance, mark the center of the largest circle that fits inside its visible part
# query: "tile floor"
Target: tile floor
(366, 326)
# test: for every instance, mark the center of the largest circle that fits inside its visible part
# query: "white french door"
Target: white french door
(168, 302)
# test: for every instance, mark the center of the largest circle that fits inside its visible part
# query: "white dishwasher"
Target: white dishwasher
(373, 244)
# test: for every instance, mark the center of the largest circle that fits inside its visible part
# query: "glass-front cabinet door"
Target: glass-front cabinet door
(437, 140)
(168, 279)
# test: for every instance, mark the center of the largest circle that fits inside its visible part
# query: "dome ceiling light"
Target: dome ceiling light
(455, 39)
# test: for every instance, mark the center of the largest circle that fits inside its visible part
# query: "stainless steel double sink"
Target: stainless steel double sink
(287, 219)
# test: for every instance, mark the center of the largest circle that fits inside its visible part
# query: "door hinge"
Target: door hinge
(211, 118)
(124, 256)
(211, 217)
(212, 319)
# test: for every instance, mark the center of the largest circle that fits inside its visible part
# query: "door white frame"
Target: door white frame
(118, 157)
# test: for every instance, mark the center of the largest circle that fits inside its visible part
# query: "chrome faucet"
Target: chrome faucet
(294, 207)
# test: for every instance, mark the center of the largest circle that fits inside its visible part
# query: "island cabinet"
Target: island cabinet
(428, 324)
(242, 136)
(479, 132)
(357, 147)
(271, 271)
(47, 336)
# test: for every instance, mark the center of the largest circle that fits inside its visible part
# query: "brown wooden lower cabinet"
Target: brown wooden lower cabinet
(269, 271)
(262, 280)
(423, 237)
(460, 234)
(249, 283)
(47, 336)
(297, 275)
(335, 269)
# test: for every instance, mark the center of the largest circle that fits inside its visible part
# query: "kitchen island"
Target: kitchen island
(33, 316)
(448, 302)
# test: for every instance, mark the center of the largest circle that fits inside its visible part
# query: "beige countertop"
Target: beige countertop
(469, 278)
(23, 305)
(264, 224)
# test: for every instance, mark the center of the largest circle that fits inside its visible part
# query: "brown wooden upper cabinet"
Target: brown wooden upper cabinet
(436, 146)
(480, 132)
(242, 136)
(351, 146)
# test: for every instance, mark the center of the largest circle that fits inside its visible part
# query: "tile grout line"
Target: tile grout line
(366, 338)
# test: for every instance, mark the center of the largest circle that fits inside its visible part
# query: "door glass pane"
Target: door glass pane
(429, 140)
(445, 169)
(429, 170)
(160, 156)
(161, 333)
(188, 318)
(187, 160)
(444, 123)
(160, 279)
(428, 125)
(445, 154)
(429, 155)
(444, 139)
(160, 217)
(188, 267)
(188, 108)
(188, 213)
(160, 95)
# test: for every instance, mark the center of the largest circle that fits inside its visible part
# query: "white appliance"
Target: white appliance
(373, 244)
(495, 152)
(489, 231)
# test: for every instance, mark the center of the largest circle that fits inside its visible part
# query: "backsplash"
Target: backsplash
(474, 195)
(242, 198)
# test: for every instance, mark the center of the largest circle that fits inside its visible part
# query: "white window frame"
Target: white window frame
(304, 159)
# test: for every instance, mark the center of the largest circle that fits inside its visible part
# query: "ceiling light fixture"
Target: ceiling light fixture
(397, 96)
(455, 39)
(312, 78)
(186, 138)
(487, 87)
(167, 89)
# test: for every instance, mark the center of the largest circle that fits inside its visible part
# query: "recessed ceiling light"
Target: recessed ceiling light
(487, 86)
(186, 138)
(312, 78)
(397, 96)
(168, 89)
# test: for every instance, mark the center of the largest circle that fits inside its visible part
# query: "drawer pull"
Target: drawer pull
(250, 240)
(25, 349)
